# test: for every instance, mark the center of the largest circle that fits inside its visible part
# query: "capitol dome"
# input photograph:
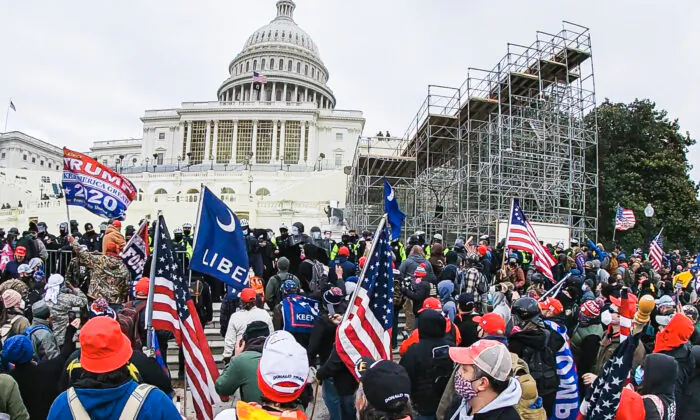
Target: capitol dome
(287, 57)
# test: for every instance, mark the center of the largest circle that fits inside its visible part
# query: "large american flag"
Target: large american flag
(521, 236)
(656, 252)
(367, 329)
(624, 218)
(259, 77)
(174, 310)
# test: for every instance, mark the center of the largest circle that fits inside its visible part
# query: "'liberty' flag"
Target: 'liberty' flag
(391, 208)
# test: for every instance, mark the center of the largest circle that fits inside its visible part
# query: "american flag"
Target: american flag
(624, 219)
(174, 310)
(656, 252)
(12, 106)
(603, 401)
(367, 329)
(259, 78)
(522, 236)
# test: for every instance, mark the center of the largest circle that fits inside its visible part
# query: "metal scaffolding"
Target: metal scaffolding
(515, 131)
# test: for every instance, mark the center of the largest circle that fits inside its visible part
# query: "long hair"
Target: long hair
(106, 380)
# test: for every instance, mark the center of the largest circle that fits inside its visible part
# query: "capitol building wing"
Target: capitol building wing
(272, 143)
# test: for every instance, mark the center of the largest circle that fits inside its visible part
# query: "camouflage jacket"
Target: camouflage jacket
(17, 285)
(109, 277)
(66, 301)
(78, 274)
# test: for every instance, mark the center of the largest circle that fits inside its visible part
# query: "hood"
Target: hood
(499, 299)
(112, 230)
(534, 338)
(527, 383)
(445, 289)
(255, 344)
(436, 250)
(417, 258)
(660, 374)
(102, 403)
(676, 333)
(508, 398)
(432, 324)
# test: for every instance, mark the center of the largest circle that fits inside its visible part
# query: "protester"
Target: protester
(113, 237)
(40, 333)
(109, 277)
(64, 301)
(106, 386)
(241, 371)
(658, 387)
(464, 320)
(240, 319)
(384, 391)
(11, 402)
(12, 319)
(452, 334)
(10, 271)
(673, 341)
(273, 296)
(585, 340)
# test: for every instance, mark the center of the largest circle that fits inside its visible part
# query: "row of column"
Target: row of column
(309, 95)
(211, 148)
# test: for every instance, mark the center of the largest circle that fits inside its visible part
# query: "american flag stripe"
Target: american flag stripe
(656, 252)
(174, 310)
(522, 237)
(367, 329)
(624, 219)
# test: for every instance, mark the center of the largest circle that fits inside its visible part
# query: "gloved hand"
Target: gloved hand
(226, 361)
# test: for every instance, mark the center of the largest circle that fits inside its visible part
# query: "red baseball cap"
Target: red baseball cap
(117, 223)
(141, 286)
(343, 251)
(20, 251)
(248, 295)
(552, 304)
(103, 346)
(431, 303)
(491, 323)
(363, 260)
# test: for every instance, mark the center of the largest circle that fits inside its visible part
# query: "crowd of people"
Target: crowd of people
(476, 328)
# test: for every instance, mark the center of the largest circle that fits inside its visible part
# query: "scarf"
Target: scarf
(53, 288)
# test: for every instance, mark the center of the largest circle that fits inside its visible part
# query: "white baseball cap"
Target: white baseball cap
(284, 368)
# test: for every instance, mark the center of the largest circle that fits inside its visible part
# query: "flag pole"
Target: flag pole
(505, 244)
(615, 223)
(7, 116)
(196, 229)
(152, 285)
(360, 279)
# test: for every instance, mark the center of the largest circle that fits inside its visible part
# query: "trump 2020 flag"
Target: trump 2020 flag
(299, 314)
(95, 187)
(136, 251)
(391, 208)
(219, 247)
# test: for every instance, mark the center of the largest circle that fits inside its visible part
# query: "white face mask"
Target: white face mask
(606, 317)
(295, 230)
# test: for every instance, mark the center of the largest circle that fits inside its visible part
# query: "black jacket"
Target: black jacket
(691, 409)
(686, 366)
(322, 340)
(38, 383)
(92, 241)
(428, 364)
(467, 328)
(660, 376)
(27, 241)
(534, 340)
(418, 292)
(344, 381)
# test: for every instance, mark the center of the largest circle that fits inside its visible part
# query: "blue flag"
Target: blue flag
(159, 355)
(135, 252)
(219, 247)
(566, 401)
(299, 313)
(391, 208)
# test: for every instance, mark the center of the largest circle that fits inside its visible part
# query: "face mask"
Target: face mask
(464, 388)
(295, 230)
(178, 237)
(638, 375)
(14, 244)
(490, 298)
(316, 235)
(606, 317)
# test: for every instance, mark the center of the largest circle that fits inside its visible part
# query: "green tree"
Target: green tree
(642, 159)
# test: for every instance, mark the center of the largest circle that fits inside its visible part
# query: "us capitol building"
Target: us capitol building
(276, 149)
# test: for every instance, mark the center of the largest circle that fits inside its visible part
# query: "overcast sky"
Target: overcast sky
(82, 71)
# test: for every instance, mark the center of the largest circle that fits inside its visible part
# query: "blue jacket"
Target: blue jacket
(108, 403)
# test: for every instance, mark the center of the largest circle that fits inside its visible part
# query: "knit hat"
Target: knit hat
(11, 299)
(100, 307)
(420, 272)
(333, 296)
(283, 369)
(40, 310)
(386, 385)
(141, 287)
(283, 264)
(289, 287)
(36, 264)
(590, 309)
(18, 349)
(103, 346)
(256, 329)
(343, 251)
(492, 323)
(465, 298)
(665, 301)
(20, 251)
(39, 276)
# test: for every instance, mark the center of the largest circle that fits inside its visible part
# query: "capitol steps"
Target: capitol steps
(216, 342)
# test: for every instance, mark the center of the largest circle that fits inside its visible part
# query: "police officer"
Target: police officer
(182, 247)
(399, 251)
(90, 239)
(187, 232)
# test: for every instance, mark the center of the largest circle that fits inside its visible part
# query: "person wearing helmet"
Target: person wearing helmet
(361, 245)
(62, 238)
(90, 239)
(187, 233)
(74, 231)
(537, 346)
(327, 242)
(49, 240)
(183, 249)
(103, 231)
(253, 248)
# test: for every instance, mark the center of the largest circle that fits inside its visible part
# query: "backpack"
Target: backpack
(129, 412)
(128, 319)
(543, 366)
(6, 328)
(318, 277)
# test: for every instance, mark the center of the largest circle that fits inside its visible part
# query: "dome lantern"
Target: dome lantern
(285, 9)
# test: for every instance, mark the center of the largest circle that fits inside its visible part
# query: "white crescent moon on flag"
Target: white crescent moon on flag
(391, 195)
(231, 226)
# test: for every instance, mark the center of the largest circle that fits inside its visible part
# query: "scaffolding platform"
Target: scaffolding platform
(500, 135)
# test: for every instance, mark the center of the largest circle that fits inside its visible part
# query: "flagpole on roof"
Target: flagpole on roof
(360, 279)
(152, 284)
(7, 113)
(505, 244)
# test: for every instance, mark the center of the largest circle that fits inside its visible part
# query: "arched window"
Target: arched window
(247, 66)
(262, 64)
(139, 196)
(289, 65)
(228, 194)
(306, 69)
(262, 192)
(160, 195)
(192, 195)
(272, 64)
(313, 72)
(160, 191)
(299, 68)
(227, 190)
(282, 34)
(281, 66)
(255, 65)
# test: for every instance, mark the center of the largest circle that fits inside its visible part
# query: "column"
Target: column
(252, 92)
(274, 91)
(281, 140)
(296, 93)
(188, 124)
(273, 156)
(302, 142)
(315, 98)
(313, 142)
(207, 149)
(253, 146)
(216, 139)
(234, 141)
(306, 95)
(284, 94)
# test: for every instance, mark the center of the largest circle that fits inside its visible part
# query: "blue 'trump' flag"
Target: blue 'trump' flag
(391, 208)
(299, 313)
(566, 401)
(219, 247)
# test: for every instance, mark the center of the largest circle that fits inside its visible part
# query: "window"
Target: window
(289, 65)
(224, 141)
(161, 136)
(306, 70)
(159, 159)
(244, 143)
(49, 165)
(338, 136)
(104, 162)
(338, 159)
(247, 66)
(272, 64)
(3, 155)
(41, 162)
(197, 139)
(24, 158)
(255, 65)
(33, 160)
(262, 64)
(281, 66)
(299, 68)
(45, 179)
(263, 145)
(292, 141)
(262, 192)
(313, 71)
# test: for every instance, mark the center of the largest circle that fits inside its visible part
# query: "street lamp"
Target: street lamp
(189, 160)
(211, 158)
(319, 161)
(649, 213)
(155, 161)
(121, 161)
(250, 184)
(147, 160)
(179, 158)
(116, 164)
